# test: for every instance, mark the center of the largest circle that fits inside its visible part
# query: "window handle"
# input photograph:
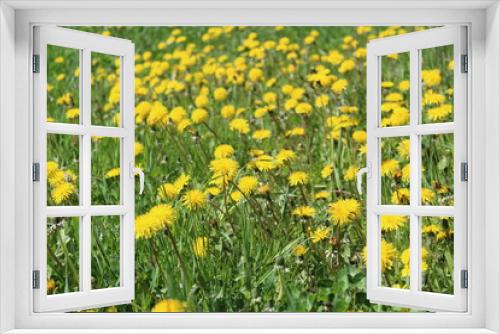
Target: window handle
(359, 177)
(137, 171)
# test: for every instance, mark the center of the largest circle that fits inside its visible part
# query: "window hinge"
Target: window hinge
(464, 281)
(36, 279)
(465, 63)
(36, 63)
(36, 172)
(464, 171)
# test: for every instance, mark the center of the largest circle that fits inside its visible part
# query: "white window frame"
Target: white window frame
(17, 19)
(85, 44)
(413, 44)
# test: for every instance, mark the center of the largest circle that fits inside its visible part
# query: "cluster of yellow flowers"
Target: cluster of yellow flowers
(61, 182)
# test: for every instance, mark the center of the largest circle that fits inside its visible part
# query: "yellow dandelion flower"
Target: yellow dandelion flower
(169, 305)
(214, 191)
(388, 254)
(270, 97)
(247, 184)
(201, 101)
(441, 112)
(181, 182)
(52, 167)
(224, 170)
(304, 211)
(194, 199)
(154, 220)
(394, 97)
(427, 195)
(261, 134)
(303, 108)
(387, 84)
(322, 195)
(261, 112)
(401, 196)
(431, 77)
(113, 172)
(294, 132)
(138, 148)
(404, 148)
(392, 223)
(359, 136)
(290, 104)
(183, 125)
(298, 178)
(339, 86)
(327, 171)
(389, 167)
(177, 114)
(350, 173)
(158, 114)
(404, 85)
(220, 94)
(405, 173)
(200, 246)
(285, 155)
(239, 125)
(223, 151)
(62, 192)
(432, 98)
(319, 234)
(347, 65)
(72, 113)
(321, 101)
(299, 250)
(255, 74)
(167, 190)
(297, 93)
(199, 116)
(237, 196)
(344, 211)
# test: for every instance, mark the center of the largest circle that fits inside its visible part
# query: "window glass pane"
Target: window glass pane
(105, 89)
(105, 252)
(63, 236)
(437, 254)
(437, 170)
(437, 84)
(105, 171)
(62, 169)
(63, 84)
(395, 89)
(395, 170)
(395, 251)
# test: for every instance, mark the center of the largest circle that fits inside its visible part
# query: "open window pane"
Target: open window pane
(105, 252)
(437, 254)
(63, 84)
(437, 170)
(106, 87)
(73, 168)
(62, 170)
(436, 190)
(395, 89)
(106, 171)
(395, 170)
(437, 84)
(395, 251)
(63, 258)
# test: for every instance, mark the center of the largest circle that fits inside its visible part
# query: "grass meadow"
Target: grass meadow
(250, 139)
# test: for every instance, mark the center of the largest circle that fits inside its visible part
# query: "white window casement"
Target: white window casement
(416, 44)
(83, 133)
(472, 28)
